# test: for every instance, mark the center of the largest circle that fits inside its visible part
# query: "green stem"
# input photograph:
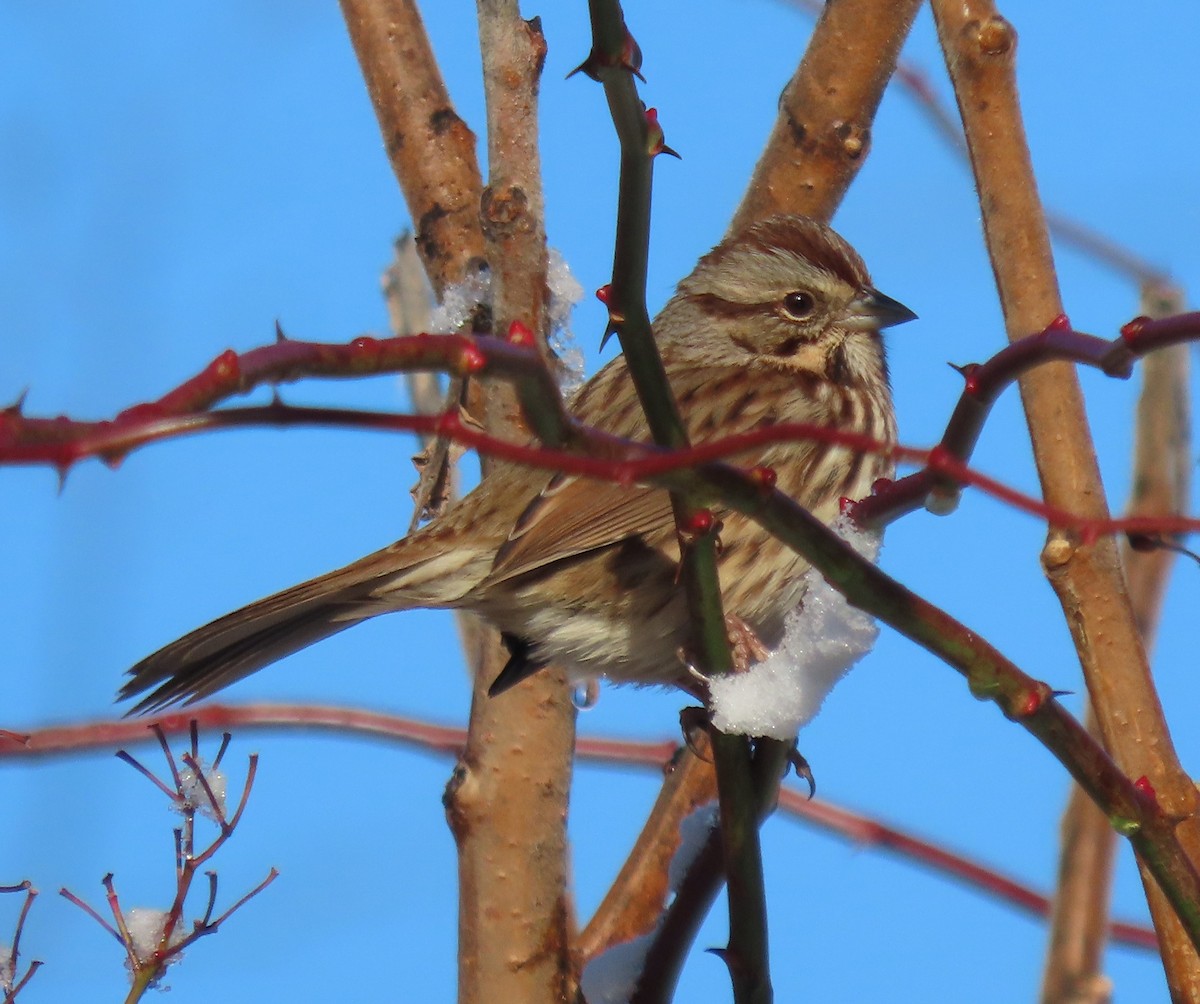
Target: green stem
(630, 319)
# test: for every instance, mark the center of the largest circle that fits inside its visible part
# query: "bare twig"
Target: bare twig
(148, 959)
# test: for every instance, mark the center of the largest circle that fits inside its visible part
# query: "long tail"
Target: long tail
(416, 571)
(238, 644)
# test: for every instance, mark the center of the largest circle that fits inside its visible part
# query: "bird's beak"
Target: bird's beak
(874, 310)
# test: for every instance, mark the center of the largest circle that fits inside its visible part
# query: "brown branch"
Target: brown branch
(431, 150)
(1161, 486)
(1071, 232)
(432, 153)
(506, 803)
(823, 132)
(979, 46)
(638, 895)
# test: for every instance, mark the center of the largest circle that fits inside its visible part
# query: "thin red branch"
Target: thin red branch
(639, 463)
(62, 441)
(449, 740)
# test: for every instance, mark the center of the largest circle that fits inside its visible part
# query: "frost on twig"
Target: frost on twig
(823, 638)
(154, 939)
(463, 303)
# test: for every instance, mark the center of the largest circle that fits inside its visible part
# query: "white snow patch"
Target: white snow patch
(145, 926)
(822, 639)
(565, 292)
(612, 976)
(197, 797)
(693, 834)
(459, 301)
(7, 970)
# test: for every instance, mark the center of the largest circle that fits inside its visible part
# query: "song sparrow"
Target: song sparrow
(778, 323)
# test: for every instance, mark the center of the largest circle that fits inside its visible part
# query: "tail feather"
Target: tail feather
(415, 571)
(240, 643)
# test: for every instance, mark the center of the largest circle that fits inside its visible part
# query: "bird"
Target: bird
(778, 323)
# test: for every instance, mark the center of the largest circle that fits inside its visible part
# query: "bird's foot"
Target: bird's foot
(747, 648)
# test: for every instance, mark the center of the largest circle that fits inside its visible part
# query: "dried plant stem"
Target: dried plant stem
(1161, 486)
(979, 46)
(823, 132)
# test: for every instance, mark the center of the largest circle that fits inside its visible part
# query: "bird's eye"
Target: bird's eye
(799, 305)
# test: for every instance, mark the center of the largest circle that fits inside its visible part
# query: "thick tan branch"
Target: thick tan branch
(507, 803)
(1161, 486)
(980, 46)
(430, 148)
(823, 131)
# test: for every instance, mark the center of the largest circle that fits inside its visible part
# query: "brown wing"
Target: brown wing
(576, 515)
(572, 516)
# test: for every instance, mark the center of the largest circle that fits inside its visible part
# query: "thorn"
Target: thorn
(1056, 694)
(654, 135)
(939, 459)
(473, 359)
(1146, 542)
(969, 373)
(18, 406)
(628, 59)
(279, 335)
(584, 67)
(964, 370)
(1034, 701)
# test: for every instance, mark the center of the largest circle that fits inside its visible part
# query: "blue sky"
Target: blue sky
(175, 179)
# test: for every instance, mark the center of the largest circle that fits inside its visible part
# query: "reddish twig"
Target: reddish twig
(448, 740)
(61, 441)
